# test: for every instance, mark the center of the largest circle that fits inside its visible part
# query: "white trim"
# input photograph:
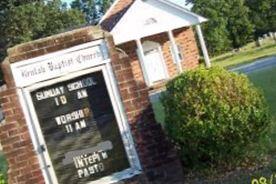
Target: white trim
(98, 46)
(38, 139)
(133, 25)
(123, 117)
(34, 136)
(203, 46)
(175, 51)
(169, 3)
(163, 62)
(174, 5)
(58, 53)
(141, 58)
(180, 53)
(43, 156)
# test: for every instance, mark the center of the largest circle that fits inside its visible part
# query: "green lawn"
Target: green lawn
(246, 55)
(159, 112)
(266, 80)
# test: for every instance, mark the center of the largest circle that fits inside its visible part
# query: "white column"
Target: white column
(203, 46)
(141, 55)
(175, 51)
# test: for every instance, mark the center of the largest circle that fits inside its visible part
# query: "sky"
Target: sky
(181, 2)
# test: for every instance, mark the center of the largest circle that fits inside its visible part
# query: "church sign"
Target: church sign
(73, 109)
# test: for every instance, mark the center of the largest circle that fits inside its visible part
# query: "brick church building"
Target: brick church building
(157, 36)
(154, 42)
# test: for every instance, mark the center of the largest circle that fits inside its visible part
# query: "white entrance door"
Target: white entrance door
(154, 65)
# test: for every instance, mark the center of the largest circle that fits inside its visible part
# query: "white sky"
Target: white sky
(181, 2)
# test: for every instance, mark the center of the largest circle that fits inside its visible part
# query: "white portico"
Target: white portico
(134, 20)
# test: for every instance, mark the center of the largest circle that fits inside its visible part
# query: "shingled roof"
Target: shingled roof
(115, 13)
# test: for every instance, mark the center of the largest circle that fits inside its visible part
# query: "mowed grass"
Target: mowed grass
(266, 80)
(246, 55)
(159, 112)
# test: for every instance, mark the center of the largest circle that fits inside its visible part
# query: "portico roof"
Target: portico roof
(134, 19)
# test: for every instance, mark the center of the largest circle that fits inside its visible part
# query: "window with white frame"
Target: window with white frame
(180, 53)
(1, 114)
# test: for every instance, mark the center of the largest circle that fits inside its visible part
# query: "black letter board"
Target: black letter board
(80, 129)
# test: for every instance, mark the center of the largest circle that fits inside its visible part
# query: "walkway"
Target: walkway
(260, 64)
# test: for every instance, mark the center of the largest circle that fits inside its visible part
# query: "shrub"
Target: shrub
(2, 179)
(212, 116)
(3, 169)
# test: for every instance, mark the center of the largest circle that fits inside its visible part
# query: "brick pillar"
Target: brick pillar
(15, 138)
(158, 159)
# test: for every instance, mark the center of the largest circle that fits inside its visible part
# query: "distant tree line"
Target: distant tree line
(26, 20)
(233, 23)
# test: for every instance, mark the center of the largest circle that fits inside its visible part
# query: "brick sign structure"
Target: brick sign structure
(74, 113)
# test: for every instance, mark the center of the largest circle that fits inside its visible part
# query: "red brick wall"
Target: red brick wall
(14, 134)
(15, 139)
(158, 159)
(184, 37)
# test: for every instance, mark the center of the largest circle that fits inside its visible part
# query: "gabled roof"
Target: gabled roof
(133, 19)
(115, 13)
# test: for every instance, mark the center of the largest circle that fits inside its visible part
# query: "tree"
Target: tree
(89, 8)
(35, 20)
(8, 3)
(64, 18)
(93, 9)
(263, 15)
(22, 22)
(229, 25)
(215, 30)
(239, 25)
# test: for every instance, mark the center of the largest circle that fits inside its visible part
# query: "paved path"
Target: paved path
(260, 64)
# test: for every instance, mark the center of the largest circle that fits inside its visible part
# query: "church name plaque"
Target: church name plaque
(59, 63)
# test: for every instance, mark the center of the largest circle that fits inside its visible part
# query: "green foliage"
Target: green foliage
(23, 21)
(238, 23)
(215, 30)
(3, 169)
(262, 15)
(2, 179)
(93, 9)
(29, 20)
(213, 116)
(228, 26)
